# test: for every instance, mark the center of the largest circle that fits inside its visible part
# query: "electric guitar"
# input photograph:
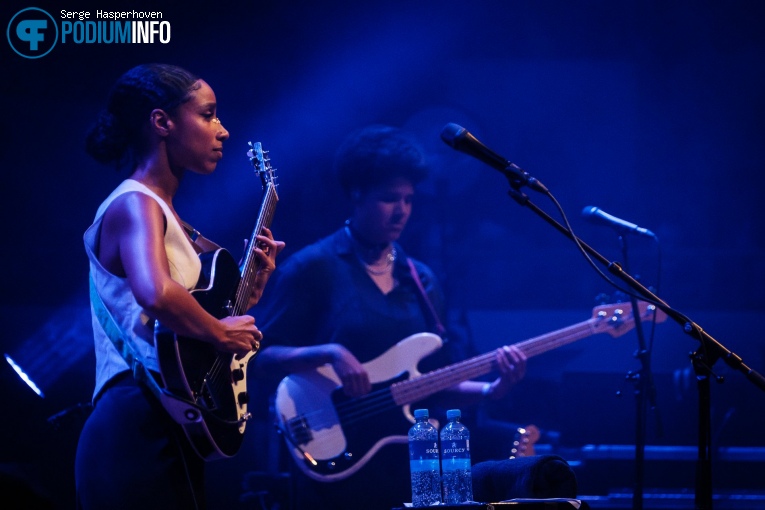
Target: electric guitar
(328, 432)
(212, 385)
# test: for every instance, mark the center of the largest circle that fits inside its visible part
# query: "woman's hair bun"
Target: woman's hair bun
(106, 141)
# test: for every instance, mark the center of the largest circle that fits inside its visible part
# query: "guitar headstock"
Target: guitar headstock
(617, 319)
(262, 163)
(525, 439)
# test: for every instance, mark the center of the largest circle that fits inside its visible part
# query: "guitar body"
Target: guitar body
(197, 372)
(320, 422)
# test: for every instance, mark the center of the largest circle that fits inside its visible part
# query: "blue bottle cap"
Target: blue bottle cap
(421, 413)
(453, 413)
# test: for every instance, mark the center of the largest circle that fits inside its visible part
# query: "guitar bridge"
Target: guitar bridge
(299, 430)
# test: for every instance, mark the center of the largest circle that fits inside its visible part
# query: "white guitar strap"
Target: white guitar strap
(181, 410)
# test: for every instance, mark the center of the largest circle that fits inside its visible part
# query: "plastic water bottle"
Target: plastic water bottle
(423, 461)
(455, 460)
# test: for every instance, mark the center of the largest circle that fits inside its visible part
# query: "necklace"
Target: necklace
(390, 257)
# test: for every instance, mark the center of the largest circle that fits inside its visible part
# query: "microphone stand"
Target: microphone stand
(645, 395)
(709, 351)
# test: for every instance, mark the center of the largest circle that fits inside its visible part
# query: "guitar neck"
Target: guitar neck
(251, 263)
(418, 388)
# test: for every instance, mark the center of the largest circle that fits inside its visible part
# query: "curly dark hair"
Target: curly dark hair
(116, 134)
(375, 154)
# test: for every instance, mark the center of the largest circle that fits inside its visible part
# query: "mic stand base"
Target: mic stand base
(703, 373)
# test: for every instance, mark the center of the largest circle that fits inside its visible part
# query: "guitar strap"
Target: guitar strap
(440, 329)
(193, 233)
(181, 410)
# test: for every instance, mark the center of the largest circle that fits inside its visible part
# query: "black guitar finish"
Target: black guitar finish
(214, 384)
(197, 371)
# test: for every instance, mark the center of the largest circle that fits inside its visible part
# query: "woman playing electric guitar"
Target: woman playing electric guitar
(162, 122)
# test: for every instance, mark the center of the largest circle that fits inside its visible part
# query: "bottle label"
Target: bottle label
(456, 449)
(423, 450)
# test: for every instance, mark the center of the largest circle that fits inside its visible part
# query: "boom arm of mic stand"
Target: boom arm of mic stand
(708, 344)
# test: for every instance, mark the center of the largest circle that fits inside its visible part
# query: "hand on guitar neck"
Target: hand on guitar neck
(265, 250)
(511, 364)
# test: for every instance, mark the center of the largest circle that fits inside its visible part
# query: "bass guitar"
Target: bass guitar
(213, 384)
(328, 432)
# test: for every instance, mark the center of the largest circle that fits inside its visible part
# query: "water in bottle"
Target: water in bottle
(424, 461)
(455, 460)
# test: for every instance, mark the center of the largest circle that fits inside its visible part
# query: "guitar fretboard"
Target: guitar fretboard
(250, 265)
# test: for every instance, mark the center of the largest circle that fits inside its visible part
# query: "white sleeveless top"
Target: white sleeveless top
(118, 297)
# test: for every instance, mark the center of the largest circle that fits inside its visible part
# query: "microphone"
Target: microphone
(460, 138)
(599, 217)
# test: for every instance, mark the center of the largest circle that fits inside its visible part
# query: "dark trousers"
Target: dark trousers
(131, 454)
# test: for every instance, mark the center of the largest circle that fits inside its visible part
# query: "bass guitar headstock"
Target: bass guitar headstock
(617, 319)
(524, 441)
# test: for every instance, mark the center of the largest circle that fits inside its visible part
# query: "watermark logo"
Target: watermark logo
(32, 33)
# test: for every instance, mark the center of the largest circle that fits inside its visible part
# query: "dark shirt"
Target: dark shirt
(323, 294)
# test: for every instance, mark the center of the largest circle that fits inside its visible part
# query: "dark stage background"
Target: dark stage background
(653, 111)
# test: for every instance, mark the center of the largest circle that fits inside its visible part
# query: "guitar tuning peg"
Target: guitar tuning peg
(602, 298)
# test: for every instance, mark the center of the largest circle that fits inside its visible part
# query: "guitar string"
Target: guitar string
(246, 278)
(268, 208)
(214, 377)
(569, 334)
(376, 402)
(355, 409)
(219, 381)
(242, 297)
(411, 390)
